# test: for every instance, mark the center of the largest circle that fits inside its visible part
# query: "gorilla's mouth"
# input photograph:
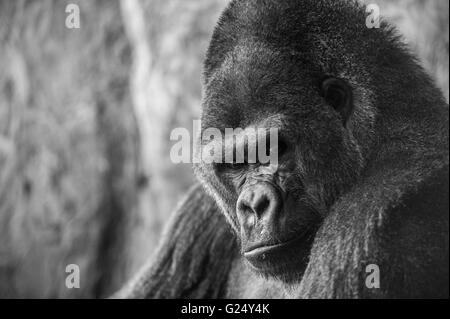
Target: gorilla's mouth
(285, 257)
(262, 249)
(262, 255)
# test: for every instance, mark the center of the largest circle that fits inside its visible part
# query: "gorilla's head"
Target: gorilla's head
(273, 65)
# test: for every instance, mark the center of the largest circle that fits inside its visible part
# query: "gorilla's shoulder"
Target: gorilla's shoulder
(191, 261)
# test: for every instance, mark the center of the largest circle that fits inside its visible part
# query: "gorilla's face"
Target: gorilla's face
(276, 210)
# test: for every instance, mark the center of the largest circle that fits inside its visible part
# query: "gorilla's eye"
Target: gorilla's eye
(338, 94)
(227, 167)
(282, 147)
(236, 165)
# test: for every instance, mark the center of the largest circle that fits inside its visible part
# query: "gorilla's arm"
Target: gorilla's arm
(402, 229)
(194, 258)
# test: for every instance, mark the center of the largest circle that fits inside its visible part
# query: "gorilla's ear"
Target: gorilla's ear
(338, 94)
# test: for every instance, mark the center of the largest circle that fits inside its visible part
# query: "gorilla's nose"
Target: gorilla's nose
(258, 203)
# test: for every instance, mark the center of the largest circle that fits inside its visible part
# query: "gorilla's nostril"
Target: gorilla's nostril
(261, 201)
(261, 205)
(243, 206)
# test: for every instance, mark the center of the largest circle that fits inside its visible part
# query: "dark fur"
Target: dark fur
(193, 260)
(380, 183)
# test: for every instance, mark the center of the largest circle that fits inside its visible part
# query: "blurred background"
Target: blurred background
(85, 120)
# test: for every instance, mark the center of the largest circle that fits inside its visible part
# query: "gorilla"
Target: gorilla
(362, 174)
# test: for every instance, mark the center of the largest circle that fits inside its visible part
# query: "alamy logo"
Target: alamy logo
(373, 19)
(73, 17)
(231, 145)
(73, 279)
(373, 279)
